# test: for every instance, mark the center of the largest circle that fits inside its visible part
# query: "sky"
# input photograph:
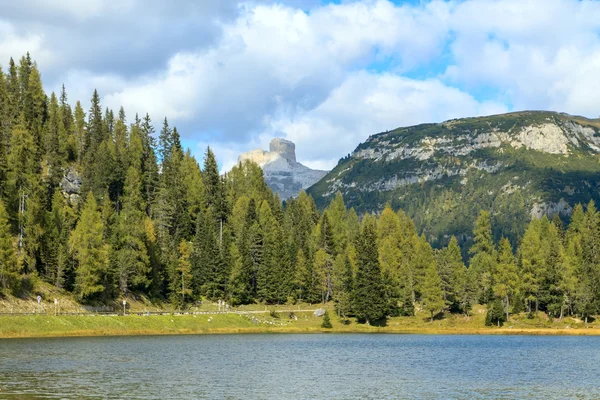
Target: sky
(324, 74)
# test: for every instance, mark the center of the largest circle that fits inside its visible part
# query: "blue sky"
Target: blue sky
(324, 74)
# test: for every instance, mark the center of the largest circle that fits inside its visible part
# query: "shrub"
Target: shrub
(326, 321)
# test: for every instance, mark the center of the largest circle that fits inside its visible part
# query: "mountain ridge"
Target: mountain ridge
(518, 165)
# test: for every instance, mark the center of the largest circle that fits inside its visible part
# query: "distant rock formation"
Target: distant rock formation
(283, 174)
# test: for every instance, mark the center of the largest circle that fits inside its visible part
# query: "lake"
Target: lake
(316, 366)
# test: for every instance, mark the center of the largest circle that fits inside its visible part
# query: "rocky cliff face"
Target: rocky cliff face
(283, 174)
(518, 166)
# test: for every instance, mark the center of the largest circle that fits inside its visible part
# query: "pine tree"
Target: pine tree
(90, 251)
(369, 302)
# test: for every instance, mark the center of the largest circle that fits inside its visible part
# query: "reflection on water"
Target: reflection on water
(301, 367)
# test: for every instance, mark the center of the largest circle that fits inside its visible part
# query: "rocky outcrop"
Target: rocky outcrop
(283, 174)
(70, 186)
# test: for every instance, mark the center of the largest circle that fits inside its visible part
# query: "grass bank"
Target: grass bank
(56, 326)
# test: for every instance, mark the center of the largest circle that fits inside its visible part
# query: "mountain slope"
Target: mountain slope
(516, 165)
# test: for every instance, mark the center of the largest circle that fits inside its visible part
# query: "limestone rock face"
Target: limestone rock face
(283, 174)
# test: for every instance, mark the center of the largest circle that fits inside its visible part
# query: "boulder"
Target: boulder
(319, 312)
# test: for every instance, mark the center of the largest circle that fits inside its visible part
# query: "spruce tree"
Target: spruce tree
(483, 258)
(326, 321)
(132, 261)
(55, 255)
(453, 273)
(369, 302)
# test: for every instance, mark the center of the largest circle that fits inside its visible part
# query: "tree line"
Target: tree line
(150, 220)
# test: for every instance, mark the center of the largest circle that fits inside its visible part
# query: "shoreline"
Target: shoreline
(19, 327)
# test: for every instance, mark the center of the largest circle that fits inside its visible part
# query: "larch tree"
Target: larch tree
(90, 251)
(181, 285)
(506, 277)
(432, 296)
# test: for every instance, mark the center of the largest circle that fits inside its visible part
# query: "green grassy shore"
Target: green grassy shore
(97, 325)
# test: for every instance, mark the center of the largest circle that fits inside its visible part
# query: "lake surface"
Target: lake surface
(327, 366)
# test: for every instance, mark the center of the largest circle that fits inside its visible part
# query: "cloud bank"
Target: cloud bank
(234, 74)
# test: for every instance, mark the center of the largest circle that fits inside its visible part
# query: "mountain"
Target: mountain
(518, 165)
(283, 174)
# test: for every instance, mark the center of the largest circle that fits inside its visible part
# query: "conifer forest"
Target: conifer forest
(148, 218)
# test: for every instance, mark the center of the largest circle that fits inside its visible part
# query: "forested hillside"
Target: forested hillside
(99, 206)
(516, 166)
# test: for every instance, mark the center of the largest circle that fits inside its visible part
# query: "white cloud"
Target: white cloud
(276, 59)
(231, 74)
(365, 104)
(13, 44)
(540, 54)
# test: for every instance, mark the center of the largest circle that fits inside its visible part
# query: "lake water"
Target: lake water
(285, 366)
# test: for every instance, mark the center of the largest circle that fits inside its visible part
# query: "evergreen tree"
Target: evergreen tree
(506, 278)
(14, 93)
(369, 302)
(483, 259)
(55, 253)
(531, 265)
(90, 251)
(308, 282)
(431, 292)
(453, 275)
(8, 257)
(79, 133)
(326, 321)
(132, 261)
(495, 313)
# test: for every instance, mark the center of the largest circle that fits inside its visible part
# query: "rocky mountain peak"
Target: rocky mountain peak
(283, 174)
(284, 148)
